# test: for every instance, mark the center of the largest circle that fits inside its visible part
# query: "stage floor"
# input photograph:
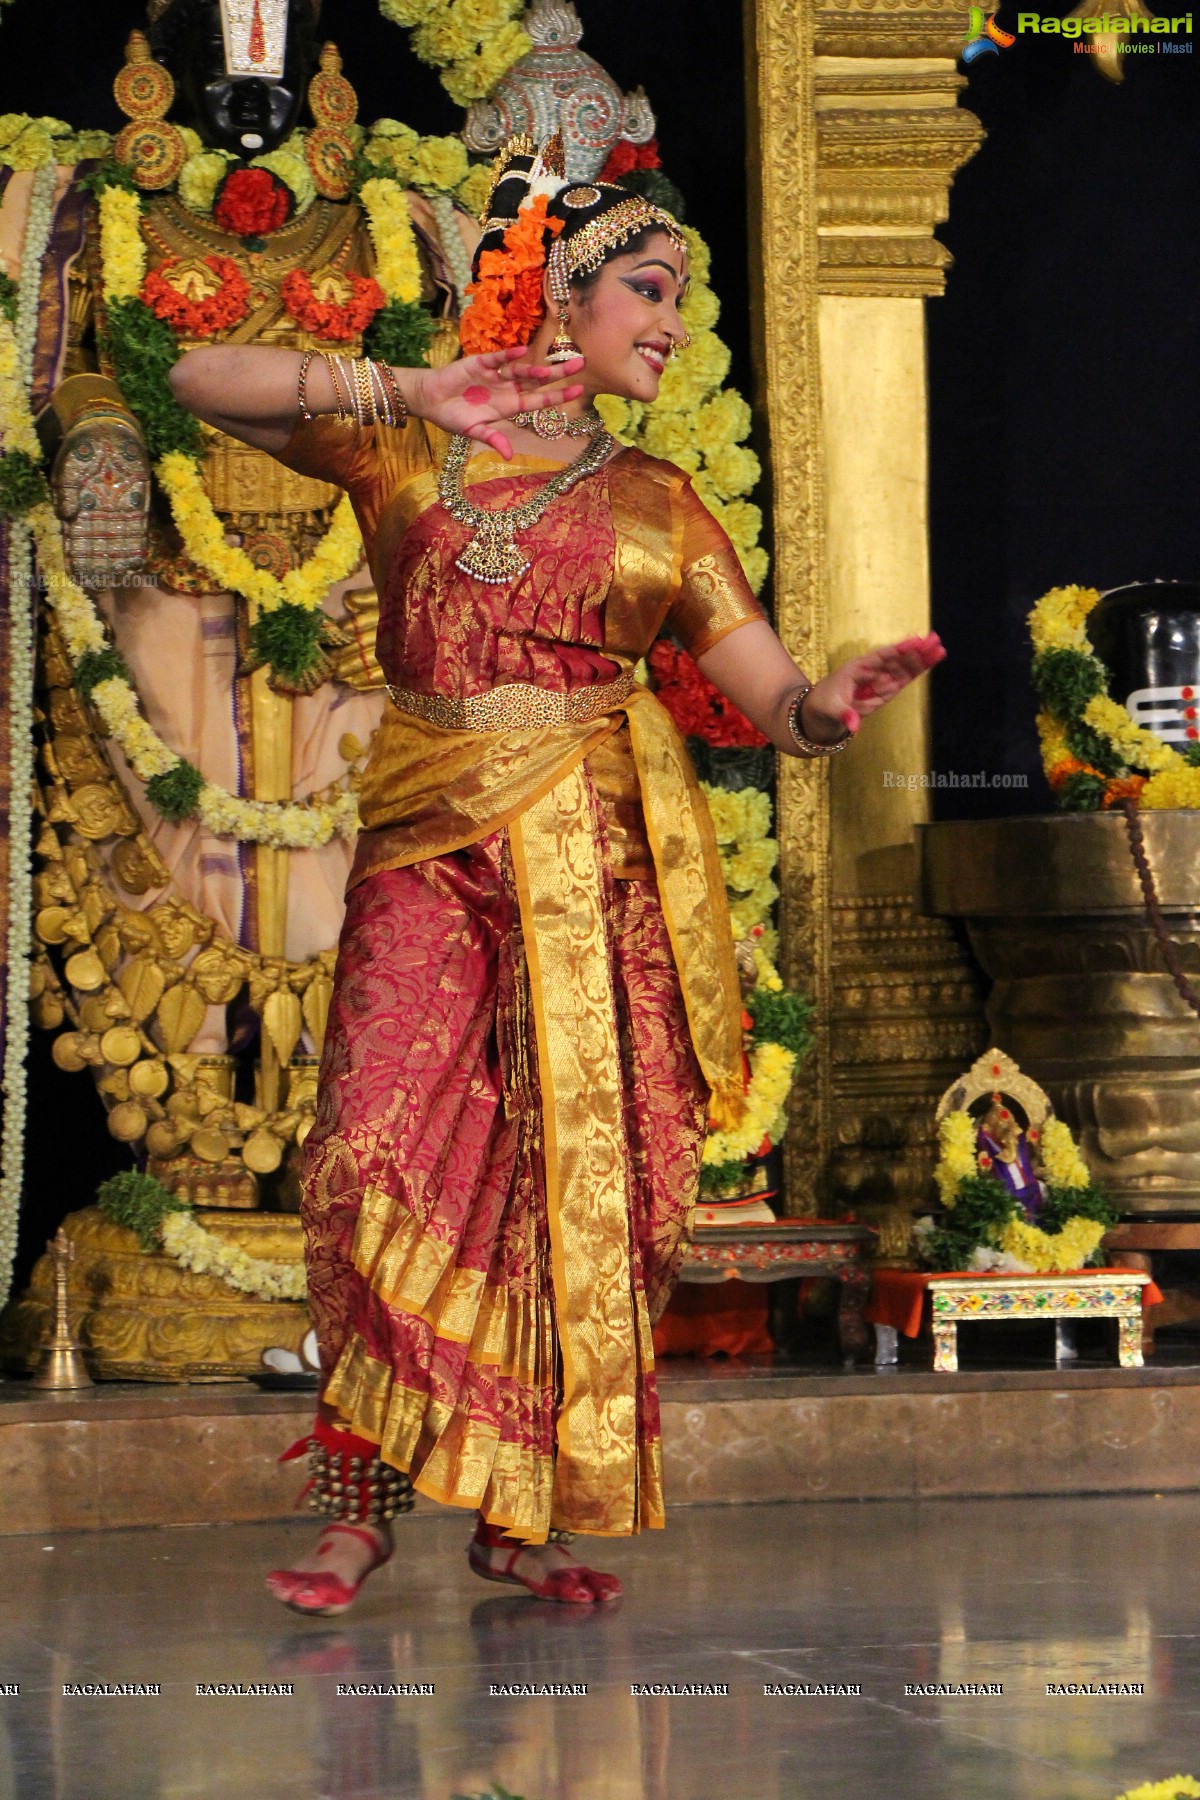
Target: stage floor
(882, 1597)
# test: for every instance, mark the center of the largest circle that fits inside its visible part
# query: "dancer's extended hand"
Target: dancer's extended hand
(476, 394)
(841, 700)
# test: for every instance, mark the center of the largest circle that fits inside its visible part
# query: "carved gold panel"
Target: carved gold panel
(856, 136)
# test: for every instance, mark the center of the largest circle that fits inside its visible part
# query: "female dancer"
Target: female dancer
(536, 1008)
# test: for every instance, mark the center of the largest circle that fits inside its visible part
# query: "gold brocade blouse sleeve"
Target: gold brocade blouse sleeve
(370, 462)
(714, 597)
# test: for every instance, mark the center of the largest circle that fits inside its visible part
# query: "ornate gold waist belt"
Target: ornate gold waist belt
(515, 706)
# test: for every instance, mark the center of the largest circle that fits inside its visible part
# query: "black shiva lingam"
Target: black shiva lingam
(1148, 637)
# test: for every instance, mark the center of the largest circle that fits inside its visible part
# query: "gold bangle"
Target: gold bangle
(795, 722)
(396, 400)
(331, 363)
(302, 386)
(364, 391)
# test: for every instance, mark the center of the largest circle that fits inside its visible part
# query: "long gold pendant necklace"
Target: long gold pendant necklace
(492, 554)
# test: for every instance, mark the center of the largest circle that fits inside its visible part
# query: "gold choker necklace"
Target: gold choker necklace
(552, 422)
(492, 555)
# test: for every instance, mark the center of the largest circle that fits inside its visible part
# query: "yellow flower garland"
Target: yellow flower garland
(1060, 1157)
(396, 261)
(122, 251)
(19, 430)
(472, 42)
(698, 424)
(742, 821)
(1040, 1251)
(772, 1068)
(1176, 1787)
(956, 1162)
(336, 556)
(1052, 1252)
(1059, 622)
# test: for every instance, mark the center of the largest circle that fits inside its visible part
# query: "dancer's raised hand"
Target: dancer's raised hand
(475, 395)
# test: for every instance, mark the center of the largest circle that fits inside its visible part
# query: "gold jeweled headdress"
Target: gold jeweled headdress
(587, 248)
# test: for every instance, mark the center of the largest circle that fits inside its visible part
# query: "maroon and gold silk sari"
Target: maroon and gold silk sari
(535, 1003)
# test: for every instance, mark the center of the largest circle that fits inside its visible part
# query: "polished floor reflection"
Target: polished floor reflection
(884, 1597)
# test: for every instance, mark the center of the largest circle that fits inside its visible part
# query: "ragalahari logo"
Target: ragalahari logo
(984, 35)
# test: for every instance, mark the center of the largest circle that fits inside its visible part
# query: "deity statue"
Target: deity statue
(1003, 1150)
(192, 964)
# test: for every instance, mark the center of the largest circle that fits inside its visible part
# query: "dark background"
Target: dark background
(1063, 369)
(1063, 375)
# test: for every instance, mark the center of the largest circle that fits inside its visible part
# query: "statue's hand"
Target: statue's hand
(474, 395)
(101, 486)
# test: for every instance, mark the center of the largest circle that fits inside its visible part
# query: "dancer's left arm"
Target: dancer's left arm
(752, 668)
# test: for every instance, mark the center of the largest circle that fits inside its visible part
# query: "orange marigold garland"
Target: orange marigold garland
(506, 299)
(338, 321)
(198, 318)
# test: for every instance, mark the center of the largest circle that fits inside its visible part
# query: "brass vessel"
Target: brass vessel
(1081, 996)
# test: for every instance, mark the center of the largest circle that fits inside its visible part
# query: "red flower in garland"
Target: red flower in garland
(696, 706)
(252, 202)
(624, 157)
(327, 317)
(200, 315)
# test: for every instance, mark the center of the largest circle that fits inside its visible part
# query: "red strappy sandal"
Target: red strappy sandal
(349, 1482)
(574, 1586)
(319, 1593)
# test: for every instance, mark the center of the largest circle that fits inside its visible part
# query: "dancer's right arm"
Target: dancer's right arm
(252, 392)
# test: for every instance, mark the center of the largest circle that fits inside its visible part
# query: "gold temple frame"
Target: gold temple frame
(856, 134)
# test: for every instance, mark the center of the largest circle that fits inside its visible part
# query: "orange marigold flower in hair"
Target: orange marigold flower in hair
(506, 300)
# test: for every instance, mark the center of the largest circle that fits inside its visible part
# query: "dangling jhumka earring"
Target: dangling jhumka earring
(564, 346)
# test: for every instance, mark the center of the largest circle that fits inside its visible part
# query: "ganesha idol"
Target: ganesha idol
(1003, 1150)
(188, 960)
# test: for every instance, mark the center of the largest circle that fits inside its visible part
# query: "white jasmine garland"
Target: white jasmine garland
(18, 925)
(37, 236)
(202, 1252)
(18, 936)
(446, 214)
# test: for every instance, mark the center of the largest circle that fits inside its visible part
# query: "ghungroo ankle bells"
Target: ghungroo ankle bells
(354, 1489)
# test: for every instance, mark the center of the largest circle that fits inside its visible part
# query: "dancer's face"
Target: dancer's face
(626, 321)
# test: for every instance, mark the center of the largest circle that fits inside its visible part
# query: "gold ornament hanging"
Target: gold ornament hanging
(329, 148)
(151, 149)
